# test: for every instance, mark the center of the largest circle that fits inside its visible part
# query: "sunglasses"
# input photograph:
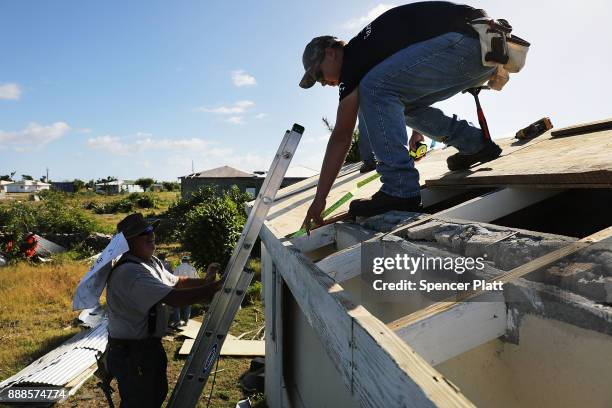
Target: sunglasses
(147, 231)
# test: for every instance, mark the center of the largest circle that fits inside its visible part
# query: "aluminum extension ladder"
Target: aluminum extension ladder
(226, 302)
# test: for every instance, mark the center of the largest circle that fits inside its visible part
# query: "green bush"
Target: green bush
(52, 215)
(173, 221)
(211, 230)
(127, 204)
(253, 293)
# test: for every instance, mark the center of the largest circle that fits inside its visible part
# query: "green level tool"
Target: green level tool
(338, 203)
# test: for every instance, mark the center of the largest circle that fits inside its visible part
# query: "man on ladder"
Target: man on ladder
(139, 288)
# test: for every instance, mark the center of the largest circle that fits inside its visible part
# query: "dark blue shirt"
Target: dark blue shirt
(395, 30)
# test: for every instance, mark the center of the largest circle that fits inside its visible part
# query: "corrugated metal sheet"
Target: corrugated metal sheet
(63, 364)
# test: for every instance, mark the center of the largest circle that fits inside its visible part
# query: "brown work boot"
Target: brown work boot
(381, 202)
(460, 161)
(367, 166)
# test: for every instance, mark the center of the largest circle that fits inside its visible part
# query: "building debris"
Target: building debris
(68, 365)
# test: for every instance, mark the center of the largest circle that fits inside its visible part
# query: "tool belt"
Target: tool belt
(500, 49)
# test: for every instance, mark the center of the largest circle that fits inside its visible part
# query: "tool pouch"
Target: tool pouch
(500, 49)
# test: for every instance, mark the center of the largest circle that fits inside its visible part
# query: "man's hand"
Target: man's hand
(211, 272)
(313, 216)
(414, 139)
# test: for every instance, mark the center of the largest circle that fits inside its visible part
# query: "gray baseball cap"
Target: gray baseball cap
(313, 54)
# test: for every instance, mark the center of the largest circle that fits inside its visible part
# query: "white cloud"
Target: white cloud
(241, 78)
(360, 22)
(236, 108)
(236, 120)
(10, 91)
(320, 139)
(33, 136)
(110, 144)
(118, 146)
(261, 115)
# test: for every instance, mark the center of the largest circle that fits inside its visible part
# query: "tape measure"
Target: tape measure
(419, 152)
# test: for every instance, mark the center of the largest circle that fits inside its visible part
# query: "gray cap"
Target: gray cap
(313, 54)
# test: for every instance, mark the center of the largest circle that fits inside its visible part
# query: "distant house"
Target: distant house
(118, 186)
(157, 187)
(65, 186)
(27, 186)
(3, 185)
(225, 176)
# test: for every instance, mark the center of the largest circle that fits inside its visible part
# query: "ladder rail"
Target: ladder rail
(226, 302)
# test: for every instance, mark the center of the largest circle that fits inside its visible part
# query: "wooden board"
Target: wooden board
(375, 364)
(577, 161)
(580, 129)
(244, 348)
(509, 276)
(292, 202)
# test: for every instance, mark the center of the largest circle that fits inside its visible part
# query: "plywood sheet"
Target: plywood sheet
(292, 202)
(583, 160)
(232, 347)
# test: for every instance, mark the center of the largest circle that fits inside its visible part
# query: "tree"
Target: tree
(145, 183)
(353, 155)
(6, 177)
(26, 177)
(78, 185)
(171, 185)
(212, 229)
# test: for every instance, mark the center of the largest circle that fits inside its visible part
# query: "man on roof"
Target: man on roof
(388, 76)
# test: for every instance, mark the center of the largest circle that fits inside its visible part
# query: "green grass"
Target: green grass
(36, 316)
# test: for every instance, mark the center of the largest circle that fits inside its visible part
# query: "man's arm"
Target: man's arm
(178, 297)
(185, 283)
(337, 148)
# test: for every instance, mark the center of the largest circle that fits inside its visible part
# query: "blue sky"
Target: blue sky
(142, 88)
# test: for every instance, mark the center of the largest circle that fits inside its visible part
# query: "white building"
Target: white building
(27, 186)
(3, 185)
(118, 186)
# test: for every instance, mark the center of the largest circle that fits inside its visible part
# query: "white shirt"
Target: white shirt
(184, 269)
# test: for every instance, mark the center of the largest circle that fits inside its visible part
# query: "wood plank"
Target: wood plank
(318, 238)
(447, 334)
(497, 204)
(574, 161)
(243, 348)
(376, 365)
(342, 265)
(289, 209)
(584, 128)
(509, 276)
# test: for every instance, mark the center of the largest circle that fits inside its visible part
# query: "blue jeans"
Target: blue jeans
(365, 149)
(180, 313)
(398, 92)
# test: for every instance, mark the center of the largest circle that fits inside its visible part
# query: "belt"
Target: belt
(462, 23)
(133, 342)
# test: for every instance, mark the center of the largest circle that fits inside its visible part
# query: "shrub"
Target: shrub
(173, 220)
(124, 205)
(51, 216)
(211, 230)
(253, 293)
